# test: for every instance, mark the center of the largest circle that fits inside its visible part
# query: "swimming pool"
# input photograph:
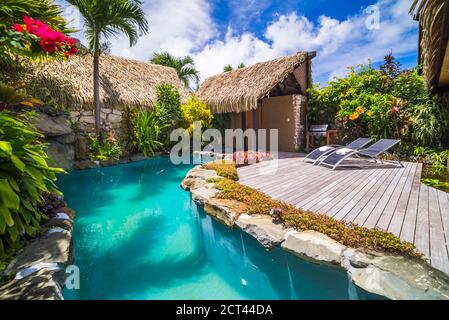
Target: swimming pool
(138, 235)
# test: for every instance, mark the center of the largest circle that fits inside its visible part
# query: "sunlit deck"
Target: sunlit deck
(371, 195)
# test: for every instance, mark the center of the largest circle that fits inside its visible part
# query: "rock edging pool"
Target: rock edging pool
(389, 275)
(39, 270)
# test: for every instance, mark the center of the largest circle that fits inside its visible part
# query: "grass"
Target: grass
(226, 169)
(348, 234)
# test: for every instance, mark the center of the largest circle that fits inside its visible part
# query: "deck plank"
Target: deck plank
(422, 233)
(364, 212)
(438, 250)
(399, 214)
(388, 213)
(409, 223)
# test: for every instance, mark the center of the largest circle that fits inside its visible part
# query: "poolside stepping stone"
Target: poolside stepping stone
(262, 228)
(314, 245)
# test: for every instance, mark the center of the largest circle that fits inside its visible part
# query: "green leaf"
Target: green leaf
(8, 198)
(6, 147)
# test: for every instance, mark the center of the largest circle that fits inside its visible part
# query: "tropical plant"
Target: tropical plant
(11, 97)
(380, 103)
(228, 68)
(106, 18)
(428, 122)
(13, 11)
(184, 66)
(194, 110)
(104, 148)
(24, 176)
(145, 130)
(167, 109)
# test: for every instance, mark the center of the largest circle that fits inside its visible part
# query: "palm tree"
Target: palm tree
(184, 66)
(229, 68)
(106, 18)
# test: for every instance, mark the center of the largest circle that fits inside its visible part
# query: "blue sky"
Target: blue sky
(221, 32)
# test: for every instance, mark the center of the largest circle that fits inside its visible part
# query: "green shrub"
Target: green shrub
(104, 148)
(224, 169)
(145, 130)
(168, 110)
(345, 233)
(24, 176)
(379, 103)
(195, 110)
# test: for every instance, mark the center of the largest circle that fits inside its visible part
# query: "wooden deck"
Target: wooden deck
(371, 195)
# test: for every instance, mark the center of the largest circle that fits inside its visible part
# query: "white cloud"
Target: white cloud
(176, 26)
(187, 27)
(338, 43)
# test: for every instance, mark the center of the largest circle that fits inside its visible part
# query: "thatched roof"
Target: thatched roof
(240, 90)
(433, 16)
(123, 82)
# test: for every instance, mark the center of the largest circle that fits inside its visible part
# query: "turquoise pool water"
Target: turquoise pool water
(139, 236)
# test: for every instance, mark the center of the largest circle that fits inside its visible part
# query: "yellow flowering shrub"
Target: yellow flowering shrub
(195, 110)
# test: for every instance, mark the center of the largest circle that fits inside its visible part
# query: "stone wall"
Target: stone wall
(111, 119)
(59, 137)
(66, 135)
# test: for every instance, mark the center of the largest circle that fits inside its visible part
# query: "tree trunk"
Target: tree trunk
(97, 86)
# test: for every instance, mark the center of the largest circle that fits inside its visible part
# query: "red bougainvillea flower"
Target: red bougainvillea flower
(51, 41)
(18, 27)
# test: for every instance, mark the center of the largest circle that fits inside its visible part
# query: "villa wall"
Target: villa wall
(287, 114)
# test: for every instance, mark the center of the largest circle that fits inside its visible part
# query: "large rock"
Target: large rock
(52, 126)
(82, 150)
(224, 210)
(314, 245)
(60, 154)
(262, 228)
(50, 248)
(190, 184)
(200, 173)
(85, 164)
(42, 285)
(396, 277)
(203, 195)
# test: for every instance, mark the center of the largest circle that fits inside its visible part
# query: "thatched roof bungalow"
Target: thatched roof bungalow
(240, 90)
(268, 95)
(433, 17)
(123, 82)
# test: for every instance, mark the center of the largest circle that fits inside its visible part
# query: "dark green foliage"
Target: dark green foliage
(24, 176)
(168, 111)
(145, 131)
